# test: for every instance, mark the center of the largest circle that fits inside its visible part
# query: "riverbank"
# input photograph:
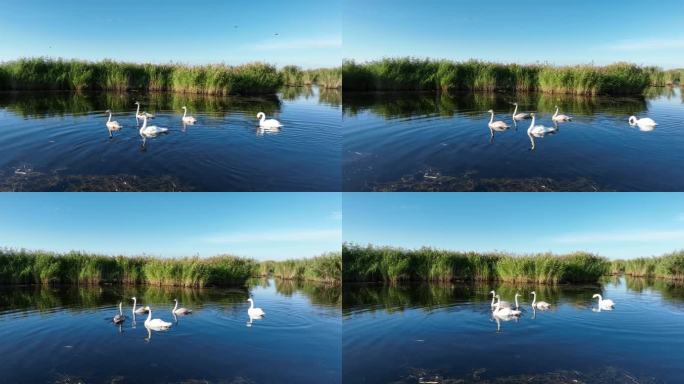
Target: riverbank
(326, 268)
(669, 266)
(326, 78)
(401, 74)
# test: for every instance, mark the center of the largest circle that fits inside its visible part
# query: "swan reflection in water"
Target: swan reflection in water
(262, 131)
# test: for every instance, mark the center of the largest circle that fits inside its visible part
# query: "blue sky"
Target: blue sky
(259, 225)
(524, 31)
(198, 31)
(615, 225)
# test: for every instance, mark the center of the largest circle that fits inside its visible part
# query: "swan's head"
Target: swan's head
(137, 102)
(492, 293)
(108, 111)
(632, 119)
(497, 296)
(133, 298)
(532, 114)
(517, 294)
(176, 300)
(250, 300)
(184, 107)
(533, 293)
(555, 106)
(260, 115)
(595, 295)
(516, 104)
(490, 111)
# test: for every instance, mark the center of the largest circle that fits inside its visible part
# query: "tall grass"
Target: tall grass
(326, 78)
(326, 268)
(215, 79)
(668, 266)
(395, 74)
(371, 263)
(39, 267)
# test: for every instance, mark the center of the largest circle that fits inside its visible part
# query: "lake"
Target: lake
(65, 335)
(58, 142)
(436, 142)
(445, 333)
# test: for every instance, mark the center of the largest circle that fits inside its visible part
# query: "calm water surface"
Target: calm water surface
(432, 142)
(446, 334)
(59, 142)
(65, 335)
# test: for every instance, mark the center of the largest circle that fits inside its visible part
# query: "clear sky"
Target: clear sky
(523, 31)
(260, 225)
(309, 32)
(615, 225)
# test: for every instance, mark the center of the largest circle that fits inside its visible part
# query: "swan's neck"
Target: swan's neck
(600, 299)
(185, 112)
(134, 304)
(144, 124)
(516, 301)
(110, 117)
(175, 307)
(251, 305)
(149, 315)
(491, 119)
(532, 123)
(515, 111)
(137, 111)
(120, 310)
(493, 298)
(263, 117)
(534, 298)
(556, 113)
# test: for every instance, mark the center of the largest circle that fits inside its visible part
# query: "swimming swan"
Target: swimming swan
(539, 130)
(606, 304)
(504, 312)
(139, 115)
(557, 117)
(516, 299)
(645, 123)
(254, 312)
(138, 310)
(187, 119)
(180, 311)
(151, 130)
(496, 125)
(112, 125)
(270, 123)
(543, 305)
(504, 304)
(519, 116)
(119, 317)
(155, 324)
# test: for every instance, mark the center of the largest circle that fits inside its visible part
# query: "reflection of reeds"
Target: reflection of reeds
(321, 294)
(325, 268)
(427, 264)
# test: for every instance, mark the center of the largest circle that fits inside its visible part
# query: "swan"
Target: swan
(504, 312)
(557, 117)
(254, 312)
(119, 317)
(187, 119)
(139, 115)
(270, 123)
(519, 116)
(151, 130)
(539, 129)
(155, 324)
(496, 125)
(180, 311)
(138, 310)
(516, 299)
(504, 304)
(606, 304)
(112, 125)
(645, 124)
(543, 305)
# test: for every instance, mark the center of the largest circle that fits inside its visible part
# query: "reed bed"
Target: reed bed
(399, 74)
(40, 267)
(326, 78)
(216, 79)
(326, 268)
(391, 264)
(668, 266)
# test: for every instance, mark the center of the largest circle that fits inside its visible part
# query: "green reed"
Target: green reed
(216, 79)
(668, 266)
(326, 268)
(393, 264)
(326, 78)
(395, 74)
(40, 267)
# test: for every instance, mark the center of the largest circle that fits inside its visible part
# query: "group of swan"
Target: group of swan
(537, 130)
(504, 309)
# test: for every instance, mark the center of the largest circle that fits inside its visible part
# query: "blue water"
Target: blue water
(436, 142)
(65, 335)
(446, 333)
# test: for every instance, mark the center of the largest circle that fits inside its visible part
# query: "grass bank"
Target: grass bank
(668, 266)
(326, 268)
(391, 264)
(398, 74)
(40, 267)
(216, 79)
(327, 78)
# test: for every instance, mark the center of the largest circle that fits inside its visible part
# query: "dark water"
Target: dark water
(432, 142)
(59, 142)
(445, 333)
(65, 335)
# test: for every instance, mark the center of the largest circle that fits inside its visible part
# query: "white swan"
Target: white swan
(504, 304)
(606, 304)
(496, 125)
(155, 324)
(539, 130)
(139, 115)
(516, 300)
(645, 124)
(112, 125)
(180, 311)
(543, 305)
(138, 310)
(270, 123)
(504, 312)
(557, 117)
(254, 312)
(151, 130)
(119, 317)
(519, 116)
(187, 119)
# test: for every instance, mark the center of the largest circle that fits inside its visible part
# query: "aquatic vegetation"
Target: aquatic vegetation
(216, 79)
(326, 268)
(326, 78)
(292, 76)
(41, 267)
(393, 264)
(400, 74)
(660, 77)
(668, 266)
